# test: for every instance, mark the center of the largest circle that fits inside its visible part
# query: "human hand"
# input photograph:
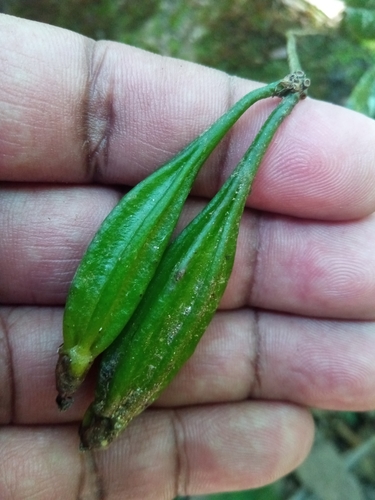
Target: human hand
(78, 121)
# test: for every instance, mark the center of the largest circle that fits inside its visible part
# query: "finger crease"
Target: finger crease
(90, 481)
(255, 384)
(181, 467)
(7, 402)
(255, 346)
(98, 113)
(254, 254)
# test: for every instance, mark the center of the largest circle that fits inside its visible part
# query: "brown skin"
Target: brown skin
(308, 264)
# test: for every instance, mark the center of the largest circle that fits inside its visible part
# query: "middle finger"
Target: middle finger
(322, 363)
(319, 268)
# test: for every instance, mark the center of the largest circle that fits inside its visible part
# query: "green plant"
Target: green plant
(182, 297)
(124, 254)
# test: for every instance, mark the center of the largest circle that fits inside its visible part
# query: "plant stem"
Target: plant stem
(291, 46)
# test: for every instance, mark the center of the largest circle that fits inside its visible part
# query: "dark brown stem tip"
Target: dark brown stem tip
(95, 431)
(64, 403)
(66, 382)
(295, 82)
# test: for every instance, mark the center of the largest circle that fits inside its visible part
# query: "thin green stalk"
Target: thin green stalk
(291, 47)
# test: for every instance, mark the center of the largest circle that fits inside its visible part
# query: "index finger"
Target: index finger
(73, 110)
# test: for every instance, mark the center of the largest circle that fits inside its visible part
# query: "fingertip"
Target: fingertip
(321, 164)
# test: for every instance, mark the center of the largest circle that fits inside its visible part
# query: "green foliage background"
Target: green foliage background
(241, 37)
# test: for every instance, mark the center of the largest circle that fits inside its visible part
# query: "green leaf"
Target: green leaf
(362, 98)
(360, 23)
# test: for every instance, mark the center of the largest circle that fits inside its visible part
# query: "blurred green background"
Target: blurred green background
(242, 37)
(247, 38)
